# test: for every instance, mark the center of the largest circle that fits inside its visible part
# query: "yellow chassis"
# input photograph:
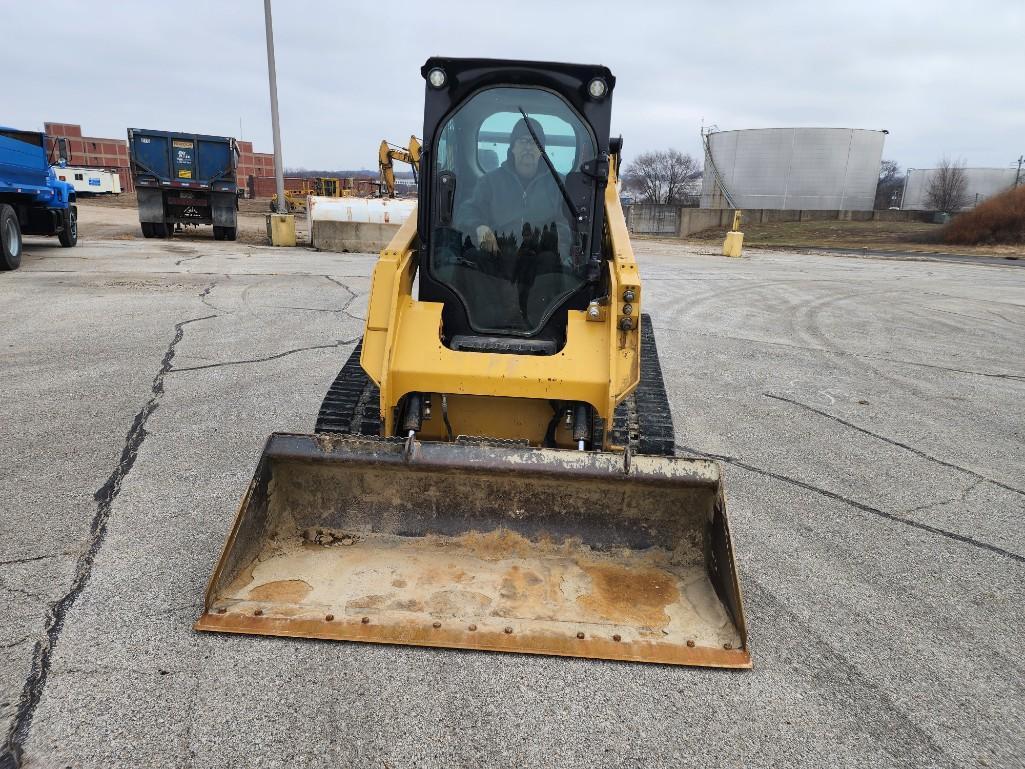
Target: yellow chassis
(500, 395)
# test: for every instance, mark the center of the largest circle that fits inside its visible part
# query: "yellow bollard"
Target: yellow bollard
(281, 229)
(734, 243)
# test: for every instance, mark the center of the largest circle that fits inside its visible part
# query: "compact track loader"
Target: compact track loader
(493, 467)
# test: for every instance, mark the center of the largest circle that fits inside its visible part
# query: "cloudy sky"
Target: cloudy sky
(945, 78)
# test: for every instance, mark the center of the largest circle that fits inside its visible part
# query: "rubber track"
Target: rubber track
(643, 421)
(352, 403)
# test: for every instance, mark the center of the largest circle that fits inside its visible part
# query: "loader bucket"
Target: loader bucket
(476, 546)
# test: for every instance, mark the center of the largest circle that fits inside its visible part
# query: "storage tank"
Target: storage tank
(980, 183)
(792, 168)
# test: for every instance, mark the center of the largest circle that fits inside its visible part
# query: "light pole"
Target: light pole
(272, 75)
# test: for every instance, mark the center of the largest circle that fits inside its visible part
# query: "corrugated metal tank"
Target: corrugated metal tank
(980, 183)
(792, 168)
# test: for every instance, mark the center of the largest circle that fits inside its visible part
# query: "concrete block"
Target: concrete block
(356, 237)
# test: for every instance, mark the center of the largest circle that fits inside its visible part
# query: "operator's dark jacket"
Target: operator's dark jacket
(504, 202)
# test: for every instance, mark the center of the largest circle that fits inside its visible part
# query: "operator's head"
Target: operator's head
(524, 151)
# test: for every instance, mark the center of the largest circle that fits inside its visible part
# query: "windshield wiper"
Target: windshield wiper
(577, 216)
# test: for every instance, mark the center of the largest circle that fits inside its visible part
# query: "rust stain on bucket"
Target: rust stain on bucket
(635, 596)
(286, 590)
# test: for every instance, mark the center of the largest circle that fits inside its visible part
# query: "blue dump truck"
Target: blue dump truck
(32, 200)
(184, 179)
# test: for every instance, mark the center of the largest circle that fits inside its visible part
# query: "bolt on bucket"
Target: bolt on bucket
(477, 546)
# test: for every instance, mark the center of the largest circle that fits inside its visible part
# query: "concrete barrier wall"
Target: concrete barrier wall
(355, 237)
(676, 221)
(642, 219)
(360, 225)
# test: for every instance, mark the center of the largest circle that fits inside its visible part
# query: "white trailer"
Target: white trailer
(90, 181)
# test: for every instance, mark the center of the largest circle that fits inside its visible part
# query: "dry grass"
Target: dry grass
(879, 235)
(997, 221)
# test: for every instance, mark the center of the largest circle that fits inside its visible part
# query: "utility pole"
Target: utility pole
(1017, 176)
(279, 171)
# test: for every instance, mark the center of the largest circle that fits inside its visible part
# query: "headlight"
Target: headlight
(597, 88)
(437, 77)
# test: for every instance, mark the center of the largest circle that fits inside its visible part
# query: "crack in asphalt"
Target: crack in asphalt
(22, 591)
(205, 293)
(855, 503)
(338, 343)
(345, 309)
(11, 752)
(962, 497)
(30, 559)
(306, 309)
(339, 283)
(898, 444)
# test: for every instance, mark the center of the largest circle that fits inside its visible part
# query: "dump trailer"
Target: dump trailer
(184, 180)
(33, 201)
(494, 466)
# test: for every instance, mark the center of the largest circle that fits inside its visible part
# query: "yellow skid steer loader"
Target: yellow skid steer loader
(494, 466)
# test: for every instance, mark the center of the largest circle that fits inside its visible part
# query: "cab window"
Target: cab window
(506, 232)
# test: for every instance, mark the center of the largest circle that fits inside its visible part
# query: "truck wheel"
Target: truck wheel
(218, 232)
(230, 233)
(147, 229)
(10, 239)
(69, 235)
(169, 230)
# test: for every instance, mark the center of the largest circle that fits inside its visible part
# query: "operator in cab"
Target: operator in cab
(516, 213)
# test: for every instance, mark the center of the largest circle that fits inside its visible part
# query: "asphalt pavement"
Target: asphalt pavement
(868, 414)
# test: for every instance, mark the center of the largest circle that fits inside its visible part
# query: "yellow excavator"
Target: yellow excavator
(387, 154)
(494, 468)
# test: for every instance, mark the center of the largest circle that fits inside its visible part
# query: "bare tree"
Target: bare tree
(891, 184)
(665, 176)
(948, 187)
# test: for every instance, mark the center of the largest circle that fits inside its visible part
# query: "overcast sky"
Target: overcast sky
(945, 78)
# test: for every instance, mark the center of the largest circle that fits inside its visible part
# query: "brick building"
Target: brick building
(112, 154)
(90, 151)
(253, 164)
